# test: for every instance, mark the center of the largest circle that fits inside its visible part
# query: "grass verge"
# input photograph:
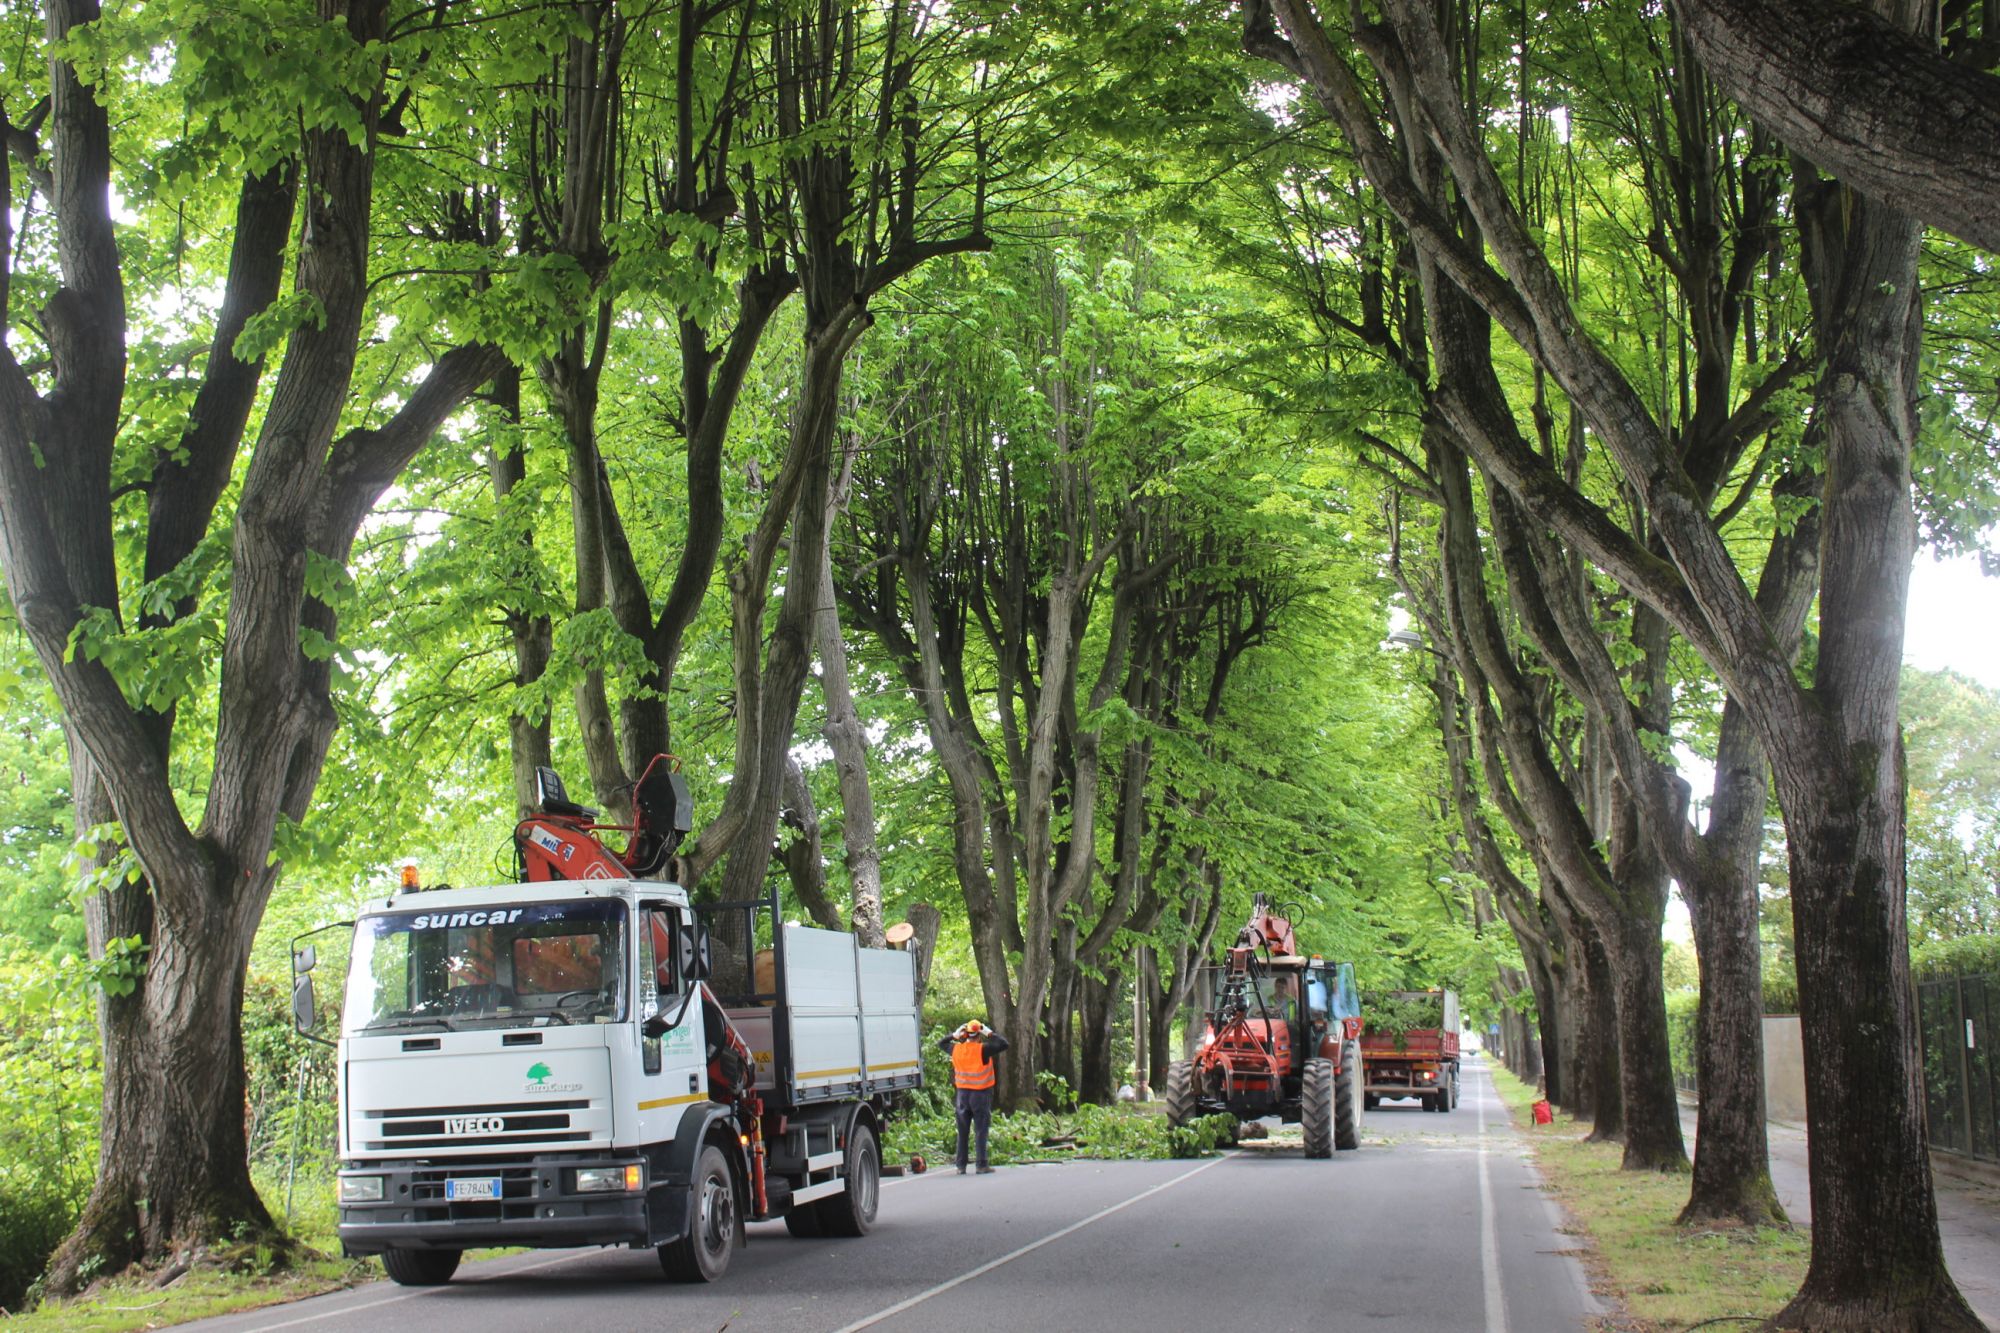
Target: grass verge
(128, 1304)
(1665, 1277)
(132, 1302)
(244, 1281)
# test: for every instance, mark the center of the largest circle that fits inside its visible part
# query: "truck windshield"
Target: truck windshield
(536, 963)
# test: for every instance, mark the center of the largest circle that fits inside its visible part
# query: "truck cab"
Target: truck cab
(596, 1061)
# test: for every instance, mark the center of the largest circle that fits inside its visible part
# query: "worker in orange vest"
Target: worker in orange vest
(973, 1048)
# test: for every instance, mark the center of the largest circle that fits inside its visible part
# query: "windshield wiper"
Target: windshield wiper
(398, 1021)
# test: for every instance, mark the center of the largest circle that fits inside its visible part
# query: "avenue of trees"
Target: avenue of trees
(1047, 474)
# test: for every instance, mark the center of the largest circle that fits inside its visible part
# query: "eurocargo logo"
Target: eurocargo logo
(539, 1075)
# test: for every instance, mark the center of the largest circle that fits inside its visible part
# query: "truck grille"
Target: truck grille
(493, 1125)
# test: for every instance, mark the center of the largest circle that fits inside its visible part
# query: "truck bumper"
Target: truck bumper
(538, 1208)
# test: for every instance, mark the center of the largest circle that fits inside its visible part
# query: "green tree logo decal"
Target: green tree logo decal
(538, 1072)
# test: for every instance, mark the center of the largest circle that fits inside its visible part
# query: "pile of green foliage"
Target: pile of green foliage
(1395, 1013)
(1099, 1132)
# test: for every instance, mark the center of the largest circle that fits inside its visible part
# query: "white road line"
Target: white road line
(1489, 1245)
(411, 1295)
(871, 1320)
(428, 1291)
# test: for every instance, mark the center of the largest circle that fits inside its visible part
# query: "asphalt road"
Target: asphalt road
(1435, 1223)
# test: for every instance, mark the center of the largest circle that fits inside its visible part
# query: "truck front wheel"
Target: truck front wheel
(702, 1255)
(420, 1268)
(852, 1211)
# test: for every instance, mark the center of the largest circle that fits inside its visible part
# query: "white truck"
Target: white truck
(594, 1061)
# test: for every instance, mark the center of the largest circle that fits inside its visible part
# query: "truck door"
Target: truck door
(673, 1070)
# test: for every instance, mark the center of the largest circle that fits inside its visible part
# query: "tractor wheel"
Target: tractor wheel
(1316, 1112)
(1347, 1101)
(1180, 1093)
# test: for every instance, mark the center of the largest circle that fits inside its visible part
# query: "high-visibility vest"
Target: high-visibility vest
(970, 1068)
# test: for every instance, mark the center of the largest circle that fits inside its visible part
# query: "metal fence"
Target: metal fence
(1959, 1018)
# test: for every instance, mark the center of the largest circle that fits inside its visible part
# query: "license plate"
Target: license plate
(470, 1188)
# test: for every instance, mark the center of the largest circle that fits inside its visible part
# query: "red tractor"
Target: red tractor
(1280, 1035)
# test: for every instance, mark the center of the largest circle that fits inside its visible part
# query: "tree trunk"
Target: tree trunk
(1097, 1020)
(849, 742)
(1877, 1262)
(801, 853)
(928, 922)
(771, 709)
(1882, 109)
(1653, 1139)
(532, 634)
(1732, 1164)
(1602, 1096)
(173, 1163)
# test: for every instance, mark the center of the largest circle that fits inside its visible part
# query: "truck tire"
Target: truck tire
(1180, 1093)
(702, 1255)
(803, 1221)
(1347, 1101)
(420, 1268)
(852, 1211)
(1316, 1107)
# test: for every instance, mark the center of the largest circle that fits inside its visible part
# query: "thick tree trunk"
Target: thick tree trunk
(1877, 1262)
(1653, 1139)
(845, 736)
(1547, 1032)
(1863, 97)
(1732, 1164)
(1602, 1094)
(1097, 1021)
(173, 1165)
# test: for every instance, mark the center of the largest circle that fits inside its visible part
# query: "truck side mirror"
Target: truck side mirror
(305, 1012)
(304, 960)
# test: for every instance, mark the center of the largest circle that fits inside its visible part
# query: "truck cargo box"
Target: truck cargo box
(792, 988)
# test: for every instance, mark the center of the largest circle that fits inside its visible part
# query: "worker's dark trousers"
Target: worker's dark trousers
(975, 1112)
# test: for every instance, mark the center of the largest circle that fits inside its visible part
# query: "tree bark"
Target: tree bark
(1877, 1261)
(849, 742)
(1097, 1021)
(531, 631)
(1865, 99)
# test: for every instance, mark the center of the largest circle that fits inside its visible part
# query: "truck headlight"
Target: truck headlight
(361, 1189)
(607, 1179)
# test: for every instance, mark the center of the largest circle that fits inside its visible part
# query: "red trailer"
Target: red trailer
(1415, 1052)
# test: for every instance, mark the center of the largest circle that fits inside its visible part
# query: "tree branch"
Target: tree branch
(1866, 101)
